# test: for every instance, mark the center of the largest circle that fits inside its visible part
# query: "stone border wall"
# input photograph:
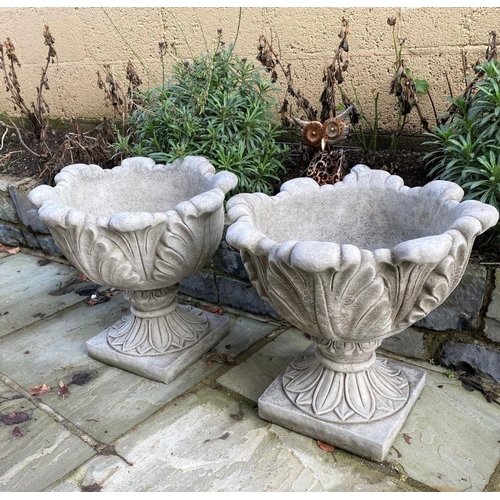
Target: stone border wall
(464, 329)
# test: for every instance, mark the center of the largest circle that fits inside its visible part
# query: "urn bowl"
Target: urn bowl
(138, 226)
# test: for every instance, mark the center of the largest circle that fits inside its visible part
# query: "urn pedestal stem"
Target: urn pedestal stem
(156, 324)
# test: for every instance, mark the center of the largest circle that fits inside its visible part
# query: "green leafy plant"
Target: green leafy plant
(467, 147)
(218, 106)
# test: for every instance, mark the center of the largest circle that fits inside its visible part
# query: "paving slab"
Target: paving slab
(243, 333)
(453, 433)
(113, 400)
(44, 453)
(453, 437)
(26, 286)
(195, 445)
(252, 377)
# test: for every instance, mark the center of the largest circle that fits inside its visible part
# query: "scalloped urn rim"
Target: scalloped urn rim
(53, 211)
(473, 218)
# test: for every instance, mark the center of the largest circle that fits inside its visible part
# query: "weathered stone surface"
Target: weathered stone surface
(460, 311)
(197, 446)
(409, 342)
(31, 241)
(112, 401)
(480, 358)
(200, 285)
(7, 208)
(492, 319)
(252, 377)
(10, 235)
(449, 439)
(441, 426)
(243, 332)
(243, 296)
(228, 259)
(26, 211)
(142, 228)
(48, 245)
(45, 453)
(26, 288)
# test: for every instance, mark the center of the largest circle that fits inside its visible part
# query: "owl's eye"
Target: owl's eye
(312, 131)
(334, 129)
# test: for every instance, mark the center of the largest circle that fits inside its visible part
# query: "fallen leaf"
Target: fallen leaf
(224, 436)
(83, 277)
(214, 310)
(39, 390)
(216, 357)
(490, 396)
(17, 432)
(91, 487)
(9, 250)
(81, 378)
(407, 438)
(326, 446)
(43, 262)
(63, 390)
(17, 417)
(108, 450)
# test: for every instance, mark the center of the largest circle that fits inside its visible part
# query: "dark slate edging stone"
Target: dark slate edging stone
(460, 311)
(200, 285)
(480, 358)
(242, 295)
(492, 318)
(48, 245)
(11, 235)
(228, 260)
(409, 342)
(26, 211)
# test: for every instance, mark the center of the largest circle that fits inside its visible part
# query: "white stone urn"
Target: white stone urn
(351, 264)
(142, 228)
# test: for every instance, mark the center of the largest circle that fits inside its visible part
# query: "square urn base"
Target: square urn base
(370, 440)
(165, 367)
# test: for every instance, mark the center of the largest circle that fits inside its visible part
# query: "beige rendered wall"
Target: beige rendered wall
(88, 37)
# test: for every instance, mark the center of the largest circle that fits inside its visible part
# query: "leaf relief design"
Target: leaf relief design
(340, 397)
(170, 333)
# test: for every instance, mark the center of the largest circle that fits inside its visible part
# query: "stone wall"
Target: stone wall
(464, 330)
(19, 222)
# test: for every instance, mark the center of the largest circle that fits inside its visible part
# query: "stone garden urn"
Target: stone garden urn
(142, 228)
(351, 264)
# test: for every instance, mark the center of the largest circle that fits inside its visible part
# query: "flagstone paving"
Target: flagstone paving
(202, 432)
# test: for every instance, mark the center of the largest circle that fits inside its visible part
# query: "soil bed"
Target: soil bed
(17, 161)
